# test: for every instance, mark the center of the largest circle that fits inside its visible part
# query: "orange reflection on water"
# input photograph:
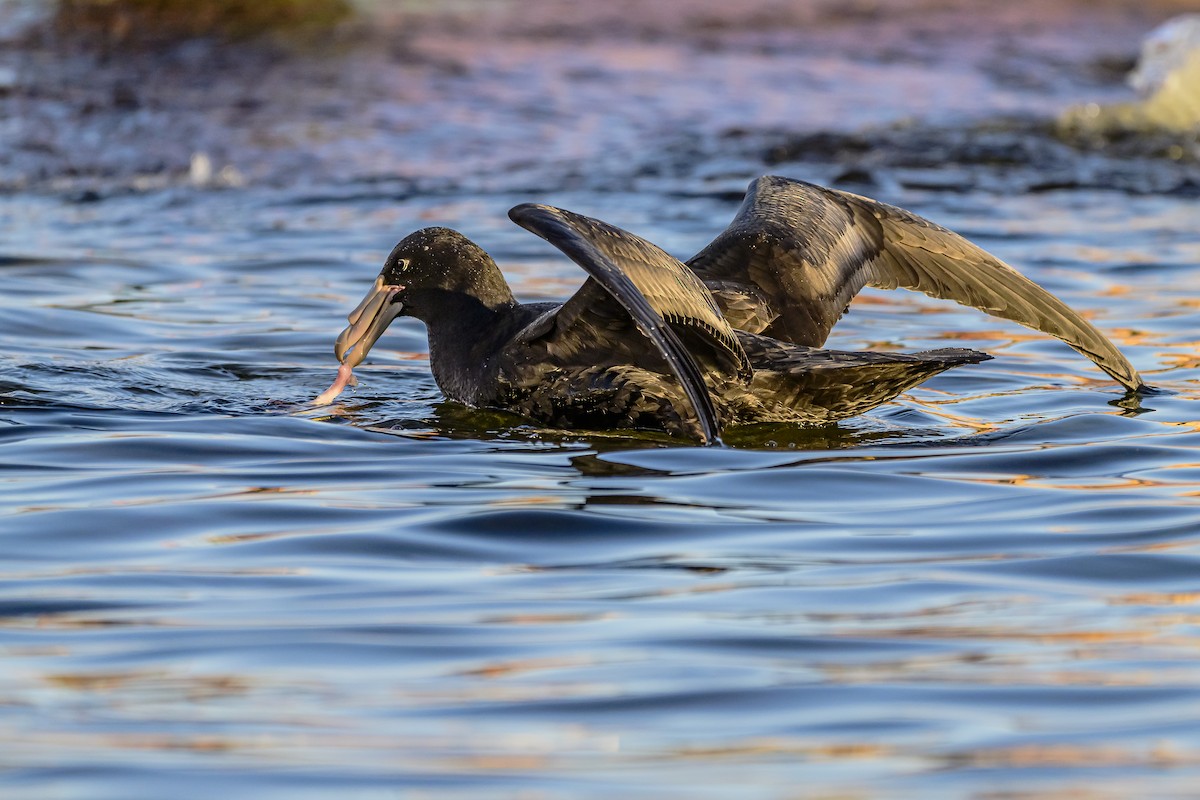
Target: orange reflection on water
(1162, 754)
(1127, 636)
(523, 666)
(1183, 360)
(751, 748)
(1103, 483)
(1156, 599)
(184, 686)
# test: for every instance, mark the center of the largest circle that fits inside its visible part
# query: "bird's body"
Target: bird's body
(732, 337)
(599, 388)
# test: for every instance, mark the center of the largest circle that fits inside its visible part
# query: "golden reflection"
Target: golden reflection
(187, 687)
(1156, 599)
(148, 742)
(901, 302)
(1188, 544)
(1134, 337)
(263, 536)
(1185, 360)
(67, 622)
(249, 491)
(1161, 754)
(1061, 658)
(1015, 634)
(523, 666)
(136, 502)
(1192, 425)
(520, 501)
(1103, 483)
(973, 669)
(881, 345)
(429, 434)
(1005, 338)
(538, 281)
(505, 762)
(778, 746)
(937, 408)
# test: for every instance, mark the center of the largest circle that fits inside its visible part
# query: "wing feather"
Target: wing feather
(810, 250)
(659, 294)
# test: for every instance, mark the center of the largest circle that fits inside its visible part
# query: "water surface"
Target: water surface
(989, 587)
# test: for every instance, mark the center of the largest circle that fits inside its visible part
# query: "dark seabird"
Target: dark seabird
(732, 337)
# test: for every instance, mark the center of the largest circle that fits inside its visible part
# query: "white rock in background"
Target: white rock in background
(1167, 77)
(201, 172)
(1166, 50)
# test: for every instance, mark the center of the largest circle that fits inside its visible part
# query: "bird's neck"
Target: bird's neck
(465, 336)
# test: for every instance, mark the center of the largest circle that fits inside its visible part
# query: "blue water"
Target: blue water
(988, 588)
(989, 583)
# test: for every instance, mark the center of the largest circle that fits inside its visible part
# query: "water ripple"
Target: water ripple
(207, 585)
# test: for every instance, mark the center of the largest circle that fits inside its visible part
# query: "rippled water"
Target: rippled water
(992, 582)
(988, 588)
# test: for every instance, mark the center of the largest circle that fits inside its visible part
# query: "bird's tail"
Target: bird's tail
(829, 385)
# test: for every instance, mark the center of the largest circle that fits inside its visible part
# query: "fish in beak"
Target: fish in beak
(368, 321)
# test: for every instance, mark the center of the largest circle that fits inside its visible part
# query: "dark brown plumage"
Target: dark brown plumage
(730, 338)
(796, 254)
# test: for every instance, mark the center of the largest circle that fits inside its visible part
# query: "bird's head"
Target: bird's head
(421, 274)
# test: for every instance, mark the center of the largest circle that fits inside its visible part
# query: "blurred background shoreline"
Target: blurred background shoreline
(499, 95)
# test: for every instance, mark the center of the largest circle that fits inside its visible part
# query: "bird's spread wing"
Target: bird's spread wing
(653, 291)
(809, 250)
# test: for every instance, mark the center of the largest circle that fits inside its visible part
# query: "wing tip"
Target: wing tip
(524, 210)
(778, 181)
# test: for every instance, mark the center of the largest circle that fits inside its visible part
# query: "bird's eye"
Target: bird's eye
(402, 264)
